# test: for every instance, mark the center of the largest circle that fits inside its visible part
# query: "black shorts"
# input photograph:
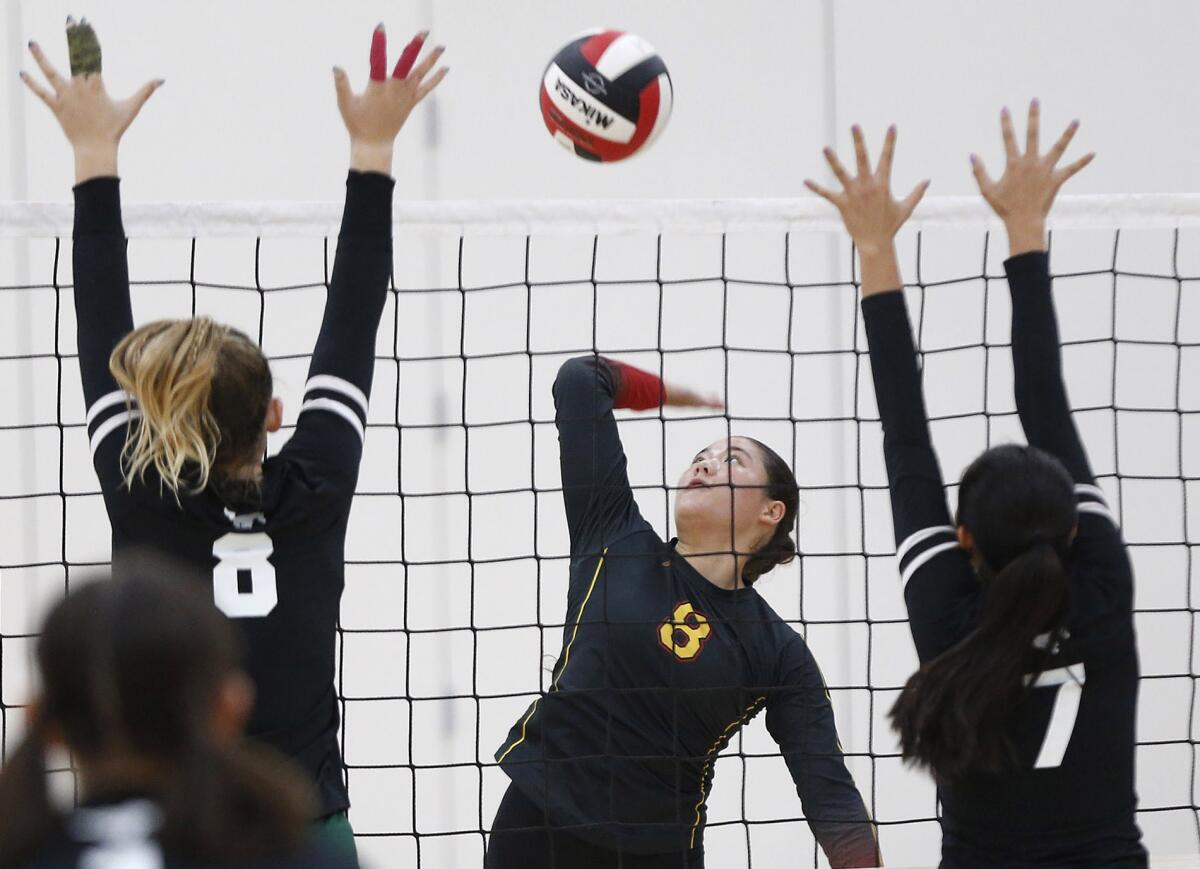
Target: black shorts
(521, 839)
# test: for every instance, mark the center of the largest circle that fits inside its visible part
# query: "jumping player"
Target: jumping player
(1021, 608)
(667, 651)
(178, 411)
(140, 680)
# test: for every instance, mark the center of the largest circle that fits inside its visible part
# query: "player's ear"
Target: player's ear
(274, 419)
(231, 707)
(774, 511)
(965, 540)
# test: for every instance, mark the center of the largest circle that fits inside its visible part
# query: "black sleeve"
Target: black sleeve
(1041, 396)
(800, 719)
(939, 583)
(1045, 413)
(103, 316)
(329, 435)
(595, 481)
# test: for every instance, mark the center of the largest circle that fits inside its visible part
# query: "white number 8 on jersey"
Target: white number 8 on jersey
(236, 552)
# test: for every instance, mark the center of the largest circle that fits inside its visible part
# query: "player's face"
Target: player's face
(725, 478)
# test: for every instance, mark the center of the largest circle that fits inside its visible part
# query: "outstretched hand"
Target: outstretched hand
(871, 215)
(682, 396)
(91, 119)
(1025, 192)
(374, 117)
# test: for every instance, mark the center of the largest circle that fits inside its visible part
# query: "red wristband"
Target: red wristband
(636, 389)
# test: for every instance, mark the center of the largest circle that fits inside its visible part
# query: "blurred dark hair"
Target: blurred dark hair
(954, 714)
(781, 486)
(134, 663)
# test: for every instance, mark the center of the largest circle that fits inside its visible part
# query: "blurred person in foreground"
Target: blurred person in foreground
(140, 679)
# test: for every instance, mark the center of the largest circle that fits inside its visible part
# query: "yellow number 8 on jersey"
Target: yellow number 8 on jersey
(684, 633)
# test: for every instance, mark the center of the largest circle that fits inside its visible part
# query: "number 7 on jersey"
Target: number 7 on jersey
(1068, 684)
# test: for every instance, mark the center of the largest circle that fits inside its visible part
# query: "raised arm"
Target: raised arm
(800, 719)
(596, 492)
(939, 585)
(1022, 198)
(93, 123)
(333, 416)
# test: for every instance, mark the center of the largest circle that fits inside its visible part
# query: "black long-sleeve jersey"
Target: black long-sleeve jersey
(277, 567)
(659, 669)
(1073, 801)
(123, 833)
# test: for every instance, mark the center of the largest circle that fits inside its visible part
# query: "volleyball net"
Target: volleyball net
(457, 552)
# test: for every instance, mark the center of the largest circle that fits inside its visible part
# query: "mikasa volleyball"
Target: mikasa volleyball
(606, 95)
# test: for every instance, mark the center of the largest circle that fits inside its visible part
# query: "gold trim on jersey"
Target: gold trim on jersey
(711, 757)
(566, 655)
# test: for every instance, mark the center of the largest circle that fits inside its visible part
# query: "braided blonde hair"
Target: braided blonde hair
(203, 390)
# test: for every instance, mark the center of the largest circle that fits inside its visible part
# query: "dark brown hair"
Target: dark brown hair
(134, 663)
(955, 713)
(781, 486)
(203, 390)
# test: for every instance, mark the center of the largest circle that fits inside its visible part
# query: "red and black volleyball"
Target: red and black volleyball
(606, 95)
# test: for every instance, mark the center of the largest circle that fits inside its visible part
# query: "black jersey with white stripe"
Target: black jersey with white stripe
(1072, 802)
(275, 566)
(659, 668)
(123, 834)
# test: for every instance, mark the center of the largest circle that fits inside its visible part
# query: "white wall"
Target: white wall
(248, 114)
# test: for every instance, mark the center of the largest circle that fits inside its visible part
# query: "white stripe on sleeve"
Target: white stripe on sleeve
(924, 557)
(1098, 510)
(337, 384)
(340, 408)
(110, 425)
(104, 402)
(1094, 491)
(918, 536)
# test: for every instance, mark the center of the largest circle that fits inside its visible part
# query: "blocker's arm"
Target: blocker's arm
(939, 585)
(93, 123)
(331, 431)
(1022, 198)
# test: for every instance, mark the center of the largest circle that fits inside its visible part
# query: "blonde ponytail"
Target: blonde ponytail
(174, 369)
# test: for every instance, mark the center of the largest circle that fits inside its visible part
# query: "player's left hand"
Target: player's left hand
(375, 116)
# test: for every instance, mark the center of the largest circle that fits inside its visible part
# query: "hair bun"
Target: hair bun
(781, 549)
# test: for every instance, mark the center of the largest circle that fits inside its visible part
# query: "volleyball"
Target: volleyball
(606, 95)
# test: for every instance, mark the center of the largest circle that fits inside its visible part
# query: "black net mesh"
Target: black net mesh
(457, 554)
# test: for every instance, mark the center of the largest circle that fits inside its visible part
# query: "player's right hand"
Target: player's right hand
(91, 119)
(1024, 194)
